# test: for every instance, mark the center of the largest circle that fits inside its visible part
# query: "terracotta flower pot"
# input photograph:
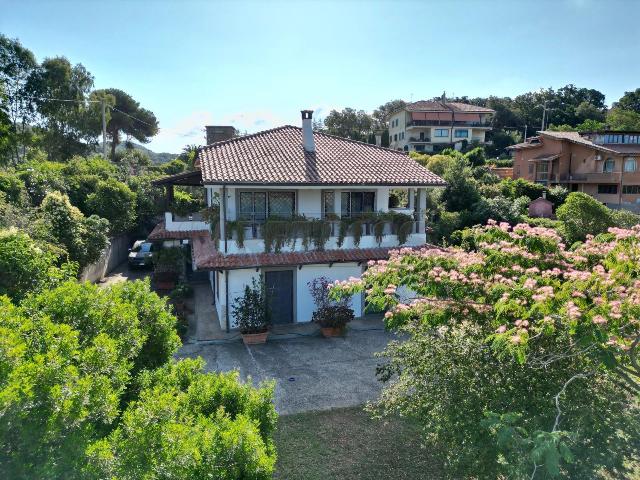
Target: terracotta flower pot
(332, 331)
(254, 338)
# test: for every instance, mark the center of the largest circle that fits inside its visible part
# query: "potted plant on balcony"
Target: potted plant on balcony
(252, 313)
(331, 316)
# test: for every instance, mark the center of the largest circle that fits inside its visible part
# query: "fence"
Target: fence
(111, 257)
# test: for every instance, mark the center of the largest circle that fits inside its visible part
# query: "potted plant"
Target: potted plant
(252, 313)
(331, 316)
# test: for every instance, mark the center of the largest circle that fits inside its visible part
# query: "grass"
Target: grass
(347, 443)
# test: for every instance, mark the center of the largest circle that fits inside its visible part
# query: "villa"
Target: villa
(290, 205)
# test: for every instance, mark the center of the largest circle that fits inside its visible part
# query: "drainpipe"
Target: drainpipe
(226, 294)
(223, 229)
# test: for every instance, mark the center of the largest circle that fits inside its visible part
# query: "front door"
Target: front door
(279, 289)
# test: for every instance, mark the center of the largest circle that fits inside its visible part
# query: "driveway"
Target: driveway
(122, 273)
(311, 372)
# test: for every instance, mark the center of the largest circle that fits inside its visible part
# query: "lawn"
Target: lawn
(347, 443)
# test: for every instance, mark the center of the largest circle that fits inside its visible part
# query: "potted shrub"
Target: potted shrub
(252, 313)
(333, 319)
(331, 316)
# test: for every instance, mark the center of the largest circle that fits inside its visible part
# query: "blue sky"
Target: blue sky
(256, 64)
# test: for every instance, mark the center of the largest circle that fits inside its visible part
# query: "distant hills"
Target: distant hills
(155, 157)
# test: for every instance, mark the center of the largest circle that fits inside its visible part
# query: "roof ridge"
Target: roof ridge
(244, 137)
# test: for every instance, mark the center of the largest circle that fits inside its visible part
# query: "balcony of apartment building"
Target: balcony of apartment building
(416, 124)
(595, 177)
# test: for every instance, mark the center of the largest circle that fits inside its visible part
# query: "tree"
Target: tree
(619, 119)
(129, 118)
(68, 127)
(476, 157)
(89, 390)
(349, 123)
(438, 163)
(461, 192)
(516, 355)
(16, 65)
(583, 215)
(381, 114)
(116, 202)
(629, 101)
(29, 267)
(84, 238)
(188, 424)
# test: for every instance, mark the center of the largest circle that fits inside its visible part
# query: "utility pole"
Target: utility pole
(525, 132)
(104, 129)
(544, 114)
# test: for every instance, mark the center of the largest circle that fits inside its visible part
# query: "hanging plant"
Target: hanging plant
(356, 227)
(211, 215)
(237, 226)
(342, 230)
(378, 230)
(403, 225)
(320, 232)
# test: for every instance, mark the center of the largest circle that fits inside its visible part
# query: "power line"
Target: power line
(47, 99)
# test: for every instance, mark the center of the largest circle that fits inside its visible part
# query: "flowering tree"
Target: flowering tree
(522, 355)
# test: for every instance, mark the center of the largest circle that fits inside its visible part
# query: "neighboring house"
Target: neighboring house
(601, 164)
(298, 181)
(430, 126)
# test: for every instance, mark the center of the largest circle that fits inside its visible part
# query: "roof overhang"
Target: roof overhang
(544, 158)
(324, 185)
(193, 179)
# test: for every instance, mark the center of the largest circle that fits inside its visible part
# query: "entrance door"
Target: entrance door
(279, 289)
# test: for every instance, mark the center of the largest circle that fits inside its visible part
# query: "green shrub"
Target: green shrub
(185, 204)
(116, 202)
(581, 215)
(625, 218)
(251, 309)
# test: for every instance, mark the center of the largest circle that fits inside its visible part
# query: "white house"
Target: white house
(291, 205)
(431, 125)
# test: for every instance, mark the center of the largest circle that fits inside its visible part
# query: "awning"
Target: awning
(544, 158)
(193, 179)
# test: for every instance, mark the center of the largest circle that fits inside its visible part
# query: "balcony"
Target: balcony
(596, 177)
(302, 233)
(446, 123)
(420, 140)
(184, 223)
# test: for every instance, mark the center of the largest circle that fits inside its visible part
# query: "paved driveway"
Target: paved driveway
(311, 373)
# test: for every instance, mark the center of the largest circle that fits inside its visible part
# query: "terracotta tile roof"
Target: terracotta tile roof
(206, 257)
(437, 106)
(277, 157)
(159, 232)
(575, 137)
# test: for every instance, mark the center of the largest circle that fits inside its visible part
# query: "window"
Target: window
(256, 206)
(608, 189)
(402, 135)
(613, 138)
(461, 133)
(328, 202)
(608, 165)
(357, 203)
(631, 189)
(395, 137)
(442, 132)
(630, 164)
(530, 168)
(632, 139)
(419, 148)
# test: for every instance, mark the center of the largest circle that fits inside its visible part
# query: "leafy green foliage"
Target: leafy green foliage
(185, 203)
(583, 215)
(28, 267)
(251, 309)
(116, 202)
(88, 390)
(83, 238)
(190, 425)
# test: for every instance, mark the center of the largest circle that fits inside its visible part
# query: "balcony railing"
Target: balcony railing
(420, 140)
(445, 123)
(596, 177)
(311, 232)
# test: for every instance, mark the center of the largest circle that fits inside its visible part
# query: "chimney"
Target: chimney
(307, 131)
(378, 138)
(219, 133)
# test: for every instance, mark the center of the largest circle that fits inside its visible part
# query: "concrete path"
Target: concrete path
(122, 273)
(311, 372)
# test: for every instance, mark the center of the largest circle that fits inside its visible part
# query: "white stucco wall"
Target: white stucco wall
(309, 203)
(342, 271)
(303, 302)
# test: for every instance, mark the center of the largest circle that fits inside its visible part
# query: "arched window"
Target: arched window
(608, 165)
(629, 164)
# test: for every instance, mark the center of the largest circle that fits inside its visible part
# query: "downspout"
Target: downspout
(620, 187)
(224, 216)
(226, 294)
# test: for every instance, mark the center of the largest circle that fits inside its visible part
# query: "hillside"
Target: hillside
(156, 157)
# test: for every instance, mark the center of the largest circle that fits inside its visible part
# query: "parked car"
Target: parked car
(141, 254)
